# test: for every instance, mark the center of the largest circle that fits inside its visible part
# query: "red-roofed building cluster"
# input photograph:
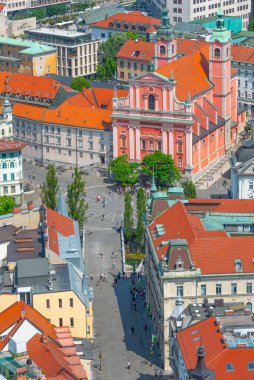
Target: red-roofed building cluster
(198, 249)
(186, 106)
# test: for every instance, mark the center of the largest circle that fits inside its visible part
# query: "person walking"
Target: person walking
(132, 330)
(129, 365)
(91, 276)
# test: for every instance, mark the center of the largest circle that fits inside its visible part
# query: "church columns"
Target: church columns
(164, 99)
(171, 142)
(164, 141)
(189, 148)
(115, 140)
(131, 143)
(137, 145)
(137, 97)
(131, 96)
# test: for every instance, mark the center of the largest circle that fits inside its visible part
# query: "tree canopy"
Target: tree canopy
(251, 25)
(165, 171)
(6, 204)
(125, 172)
(50, 188)
(128, 216)
(141, 209)
(76, 199)
(79, 83)
(189, 189)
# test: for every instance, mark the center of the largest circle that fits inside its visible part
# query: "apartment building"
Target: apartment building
(23, 56)
(76, 51)
(13, 5)
(197, 249)
(189, 10)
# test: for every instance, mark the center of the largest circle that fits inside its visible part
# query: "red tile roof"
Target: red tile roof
(146, 50)
(208, 334)
(206, 247)
(53, 361)
(190, 72)
(242, 53)
(11, 145)
(24, 84)
(2, 6)
(222, 205)
(184, 46)
(128, 21)
(72, 112)
(58, 223)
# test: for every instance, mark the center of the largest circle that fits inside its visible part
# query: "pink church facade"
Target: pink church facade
(185, 107)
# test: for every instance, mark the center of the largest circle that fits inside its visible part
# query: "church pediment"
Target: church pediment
(151, 77)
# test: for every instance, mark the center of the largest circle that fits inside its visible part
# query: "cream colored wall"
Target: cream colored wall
(6, 300)
(29, 219)
(87, 366)
(78, 312)
(17, 27)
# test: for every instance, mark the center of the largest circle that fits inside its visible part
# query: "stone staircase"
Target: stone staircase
(217, 168)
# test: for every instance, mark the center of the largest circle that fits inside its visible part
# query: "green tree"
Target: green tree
(106, 70)
(251, 25)
(109, 48)
(141, 209)
(76, 199)
(6, 204)
(189, 189)
(50, 188)
(39, 13)
(125, 172)
(57, 9)
(166, 173)
(79, 83)
(128, 216)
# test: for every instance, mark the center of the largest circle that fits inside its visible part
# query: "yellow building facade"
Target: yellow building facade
(66, 309)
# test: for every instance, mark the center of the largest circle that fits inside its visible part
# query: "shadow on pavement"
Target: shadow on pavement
(158, 375)
(140, 341)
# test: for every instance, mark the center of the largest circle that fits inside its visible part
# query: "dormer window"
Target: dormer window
(217, 53)
(179, 265)
(136, 53)
(238, 265)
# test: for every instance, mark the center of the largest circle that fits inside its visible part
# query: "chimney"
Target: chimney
(30, 206)
(16, 209)
(21, 373)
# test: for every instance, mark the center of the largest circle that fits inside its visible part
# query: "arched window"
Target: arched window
(151, 145)
(162, 49)
(118, 26)
(125, 26)
(151, 102)
(249, 306)
(217, 53)
(133, 27)
(110, 25)
(180, 161)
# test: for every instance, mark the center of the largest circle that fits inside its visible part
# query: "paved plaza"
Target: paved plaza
(113, 316)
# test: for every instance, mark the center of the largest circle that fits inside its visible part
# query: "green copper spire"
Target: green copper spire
(153, 186)
(220, 33)
(165, 30)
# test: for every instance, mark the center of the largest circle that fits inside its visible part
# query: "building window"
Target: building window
(180, 161)
(72, 322)
(60, 322)
(69, 152)
(71, 302)
(162, 49)
(123, 142)
(250, 185)
(233, 288)
(13, 189)
(5, 189)
(238, 265)
(179, 147)
(151, 145)
(151, 102)
(68, 142)
(179, 290)
(229, 367)
(218, 289)
(4, 165)
(203, 290)
(217, 53)
(12, 177)
(60, 303)
(48, 304)
(143, 144)
(79, 133)
(159, 145)
(91, 145)
(249, 288)
(81, 154)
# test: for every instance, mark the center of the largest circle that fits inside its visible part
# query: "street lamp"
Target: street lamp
(100, 357)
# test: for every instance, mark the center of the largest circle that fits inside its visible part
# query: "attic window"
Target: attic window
(251, 366)
(229, 367)
(238, 265)
(136, 53)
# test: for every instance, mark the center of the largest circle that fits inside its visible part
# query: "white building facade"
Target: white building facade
(189, 10)
(11, 172)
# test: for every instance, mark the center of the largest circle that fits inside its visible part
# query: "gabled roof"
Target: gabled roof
(27, 46)
(135, 19)
(28, 85)
(206, 247)
(2, 6)
(238, 206)
(11, 145)
(190, 72)
(53, 361)
(208, 334)
(146, 50)
(242, 53)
